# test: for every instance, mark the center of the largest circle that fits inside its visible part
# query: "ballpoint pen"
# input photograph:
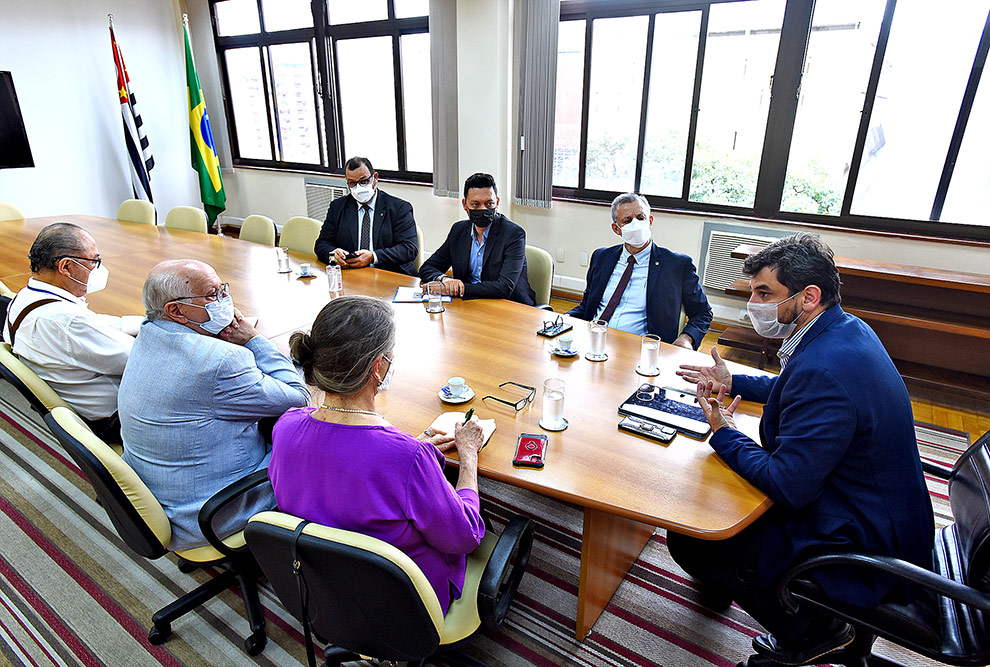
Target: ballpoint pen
(467, 416)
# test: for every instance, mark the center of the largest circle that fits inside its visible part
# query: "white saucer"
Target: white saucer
(653, 373)
(556, 351)
(300, 274)
(587, 355)
(456, 401)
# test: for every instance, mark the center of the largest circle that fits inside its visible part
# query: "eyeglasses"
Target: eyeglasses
(521, 403)
(364, 181)
(222, 291)
(97, 259)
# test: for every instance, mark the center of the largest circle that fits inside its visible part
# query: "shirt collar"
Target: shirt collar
(36, 285)
(484, 234)
(642, 257)
(788, 346)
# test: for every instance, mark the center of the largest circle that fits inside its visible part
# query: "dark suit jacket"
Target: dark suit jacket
(503, 269)
(839, 457)
(672, 283)
(394, 236)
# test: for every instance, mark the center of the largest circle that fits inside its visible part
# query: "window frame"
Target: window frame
(322, 38)
(795, 34)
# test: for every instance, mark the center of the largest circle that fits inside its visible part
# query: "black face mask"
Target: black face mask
(482, 217)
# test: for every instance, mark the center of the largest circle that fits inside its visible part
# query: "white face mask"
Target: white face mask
(363, 193)
(636, 232)
(764, 317)
(97, 278)
(221, 314)
(384, 382)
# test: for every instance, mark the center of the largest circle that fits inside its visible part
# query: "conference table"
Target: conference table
(626, 485)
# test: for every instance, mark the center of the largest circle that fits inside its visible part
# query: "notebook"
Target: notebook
(447, 420)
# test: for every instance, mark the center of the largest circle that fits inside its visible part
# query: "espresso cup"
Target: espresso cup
(564, 342)
(456, 386)
(304, 269)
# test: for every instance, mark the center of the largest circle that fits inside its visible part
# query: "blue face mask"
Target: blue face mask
(221, 314)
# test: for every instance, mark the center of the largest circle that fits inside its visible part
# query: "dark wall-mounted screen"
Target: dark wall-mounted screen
(14, 148)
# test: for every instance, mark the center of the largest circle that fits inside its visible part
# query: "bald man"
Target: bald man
(79, 353)
(198, 380)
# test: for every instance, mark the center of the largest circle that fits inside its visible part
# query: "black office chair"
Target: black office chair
(949, 620)
(141, 523)
(367, 598)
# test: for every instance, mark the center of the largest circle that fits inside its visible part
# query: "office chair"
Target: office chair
(9, 211)
(136, 210)
(189, 218)
(539, 270)
(949, 618)
(6, 291)
(300, 234)
(39, 394)
(141, 523)
(366, 597)
(258, 229)
(418, 262)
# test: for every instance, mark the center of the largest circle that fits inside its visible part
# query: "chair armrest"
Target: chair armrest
(221, 499)
(939, 470)
(497, 585)
(545, 306)
(888, 565)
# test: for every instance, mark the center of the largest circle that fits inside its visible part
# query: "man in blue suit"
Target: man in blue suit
(639, 287)
(838, 457)
(370, 227)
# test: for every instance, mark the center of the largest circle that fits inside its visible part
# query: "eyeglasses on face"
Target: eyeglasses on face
(97, 259)
(521, 403)
(221, 292)
(363, 181)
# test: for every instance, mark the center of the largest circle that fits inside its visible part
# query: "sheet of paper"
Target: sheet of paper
(413, 295)
(446, 421)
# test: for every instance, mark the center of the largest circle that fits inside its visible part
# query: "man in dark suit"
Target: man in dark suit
(369, 228)
(838, 457)
(487, 251)
(639, 287)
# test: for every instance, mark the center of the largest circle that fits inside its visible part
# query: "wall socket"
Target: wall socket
(583, 258)
(560, 254)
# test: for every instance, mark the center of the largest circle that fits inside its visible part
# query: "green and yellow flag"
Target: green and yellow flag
(204, 153)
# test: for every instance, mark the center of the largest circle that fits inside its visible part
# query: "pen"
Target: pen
(468, 415)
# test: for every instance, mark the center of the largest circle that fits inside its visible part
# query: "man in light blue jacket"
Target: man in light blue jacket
(198, 380)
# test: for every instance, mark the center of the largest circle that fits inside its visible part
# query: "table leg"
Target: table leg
(609, 547)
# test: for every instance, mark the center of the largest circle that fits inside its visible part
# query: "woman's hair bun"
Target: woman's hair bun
(301, 347)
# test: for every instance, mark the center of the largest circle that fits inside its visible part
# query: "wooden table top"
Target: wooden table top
(683, 486)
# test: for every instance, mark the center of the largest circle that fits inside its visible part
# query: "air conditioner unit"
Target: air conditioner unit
(319, 194)
(720, 268)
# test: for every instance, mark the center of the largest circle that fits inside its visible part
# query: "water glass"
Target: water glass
(553, 405)
(596, 349)
(649, 357)
(282, 254)
(435, 298)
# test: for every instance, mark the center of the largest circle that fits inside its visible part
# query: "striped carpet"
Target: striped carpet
(70, 593)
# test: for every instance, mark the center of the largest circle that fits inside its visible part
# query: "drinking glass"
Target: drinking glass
(649, 356)
(596, 349)
(282, 254)
(553, 405)
(435, 298)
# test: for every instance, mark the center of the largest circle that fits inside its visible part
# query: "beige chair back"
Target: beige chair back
(300, 234)
(9, 211)
(539, 270)
(418, 262)
(38, 393)
(136, 210)
(189, 218)
(6, 291)
(258, 229)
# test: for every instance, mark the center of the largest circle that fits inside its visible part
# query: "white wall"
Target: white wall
(59, 53)
(60, 56)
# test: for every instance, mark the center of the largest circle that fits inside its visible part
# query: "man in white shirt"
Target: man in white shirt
(49, 326)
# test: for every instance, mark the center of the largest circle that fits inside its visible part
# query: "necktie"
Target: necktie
(365, 227)
(619, 289)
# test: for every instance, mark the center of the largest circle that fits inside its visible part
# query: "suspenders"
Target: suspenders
(20, 318)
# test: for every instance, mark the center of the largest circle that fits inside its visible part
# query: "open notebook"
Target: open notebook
(447, 420)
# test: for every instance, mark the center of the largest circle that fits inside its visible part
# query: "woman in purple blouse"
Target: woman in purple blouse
(343, 465)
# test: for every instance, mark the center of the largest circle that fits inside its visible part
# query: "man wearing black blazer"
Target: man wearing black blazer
(370, 227)
(487, 251)
(655, 286)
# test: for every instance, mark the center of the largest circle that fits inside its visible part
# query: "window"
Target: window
(308, 95)
(828, 112)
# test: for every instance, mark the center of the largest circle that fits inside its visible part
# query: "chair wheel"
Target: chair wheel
(255, 643)
(159, 634)
(185, 567)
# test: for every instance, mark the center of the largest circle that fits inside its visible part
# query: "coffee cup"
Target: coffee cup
(564, 342)
(456, 386)
(304, 269)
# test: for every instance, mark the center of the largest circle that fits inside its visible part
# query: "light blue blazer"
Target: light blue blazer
(189, 406)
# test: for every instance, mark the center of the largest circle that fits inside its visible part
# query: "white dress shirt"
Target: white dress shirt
(371, 227)
(630, 314)
(79, 353)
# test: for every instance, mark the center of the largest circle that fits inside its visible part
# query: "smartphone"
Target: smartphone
(554, 330)
(350, 255)
(530, 449)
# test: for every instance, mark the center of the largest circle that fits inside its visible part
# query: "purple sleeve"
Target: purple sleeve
(449, 521)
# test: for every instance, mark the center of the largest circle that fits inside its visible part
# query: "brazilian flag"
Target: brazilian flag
(204, 153)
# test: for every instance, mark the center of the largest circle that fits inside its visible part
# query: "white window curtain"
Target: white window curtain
(443, 66)
(537, 23)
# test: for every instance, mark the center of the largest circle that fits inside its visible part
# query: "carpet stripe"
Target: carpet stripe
(28, 630)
